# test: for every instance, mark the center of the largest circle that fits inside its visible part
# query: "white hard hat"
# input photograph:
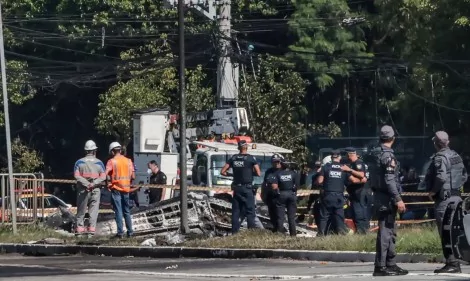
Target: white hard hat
(90, 145)
(114, 145)
(326, 160)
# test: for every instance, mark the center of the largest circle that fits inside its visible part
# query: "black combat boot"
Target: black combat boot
(384, 271)
(398, 270)
(449, 268)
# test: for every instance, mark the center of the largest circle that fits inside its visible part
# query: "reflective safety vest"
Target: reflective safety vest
(121, 173)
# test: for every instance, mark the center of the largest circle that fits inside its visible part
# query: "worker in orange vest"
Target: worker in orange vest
(120, 171)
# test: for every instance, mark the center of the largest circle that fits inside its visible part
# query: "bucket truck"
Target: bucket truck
(156, 137)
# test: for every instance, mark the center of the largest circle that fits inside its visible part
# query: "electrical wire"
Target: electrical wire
(429, 101)
(390, 113)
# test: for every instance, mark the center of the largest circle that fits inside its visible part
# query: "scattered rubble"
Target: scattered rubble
(48, 241)
(63, 220)
(172, 267)
(205, 214)
(207, 217)
(149, 243)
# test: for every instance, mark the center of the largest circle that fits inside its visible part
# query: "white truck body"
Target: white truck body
(154, 139)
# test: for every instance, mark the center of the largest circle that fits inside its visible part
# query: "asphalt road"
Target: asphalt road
(79, 268)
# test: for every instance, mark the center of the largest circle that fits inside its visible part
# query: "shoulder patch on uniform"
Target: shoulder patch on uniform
(437, 161)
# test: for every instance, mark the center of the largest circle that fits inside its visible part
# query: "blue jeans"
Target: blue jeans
(120, 201)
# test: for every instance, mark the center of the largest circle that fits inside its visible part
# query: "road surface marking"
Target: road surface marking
(204, 275)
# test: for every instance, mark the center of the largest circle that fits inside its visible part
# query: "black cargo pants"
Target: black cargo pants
(243, 203)
(286, 200)
(332, 205)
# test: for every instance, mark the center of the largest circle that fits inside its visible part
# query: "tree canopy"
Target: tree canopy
(77, 69)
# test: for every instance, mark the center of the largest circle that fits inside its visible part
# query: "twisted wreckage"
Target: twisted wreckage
(208, 216)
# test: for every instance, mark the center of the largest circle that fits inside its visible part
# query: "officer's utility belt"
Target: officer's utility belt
(247, 185)
(332, 192)
(449, 193)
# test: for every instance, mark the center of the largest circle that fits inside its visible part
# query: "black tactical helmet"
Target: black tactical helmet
(277, 158)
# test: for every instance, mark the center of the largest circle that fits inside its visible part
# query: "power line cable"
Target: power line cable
(429, 101)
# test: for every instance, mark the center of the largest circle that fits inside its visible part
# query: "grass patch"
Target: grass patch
(28, 233)
(411, 240)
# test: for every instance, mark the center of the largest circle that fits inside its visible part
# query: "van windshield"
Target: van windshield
(218, 161)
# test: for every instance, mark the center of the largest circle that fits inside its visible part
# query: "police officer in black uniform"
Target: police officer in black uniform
(357, 190)
(267, 194)
(385, 183)
(284, 184)
(444, 179)
(156, 177)
(332, 195)
(244, 167)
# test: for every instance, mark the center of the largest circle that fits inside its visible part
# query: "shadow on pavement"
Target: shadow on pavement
(17, 271)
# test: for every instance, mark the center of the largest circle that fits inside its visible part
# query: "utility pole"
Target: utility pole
(7, 126)
(183, 173)
(227, 78)
(227, 75)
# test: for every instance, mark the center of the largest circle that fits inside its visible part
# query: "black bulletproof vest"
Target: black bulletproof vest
(242, 166)
(286, 180)
(334, 178)
(269, 172)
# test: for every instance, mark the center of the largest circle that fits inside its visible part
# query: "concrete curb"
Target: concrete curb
(180, 252)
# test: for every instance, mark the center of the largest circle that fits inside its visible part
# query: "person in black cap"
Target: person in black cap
(444, 180)
(356, 188)
(284, 183)
(385, 184)
(244, 166)
(267, 194)
(332, 195)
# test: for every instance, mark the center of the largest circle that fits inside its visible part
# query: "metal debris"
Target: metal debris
(205, 214)
(63, 219)
(207, 217)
